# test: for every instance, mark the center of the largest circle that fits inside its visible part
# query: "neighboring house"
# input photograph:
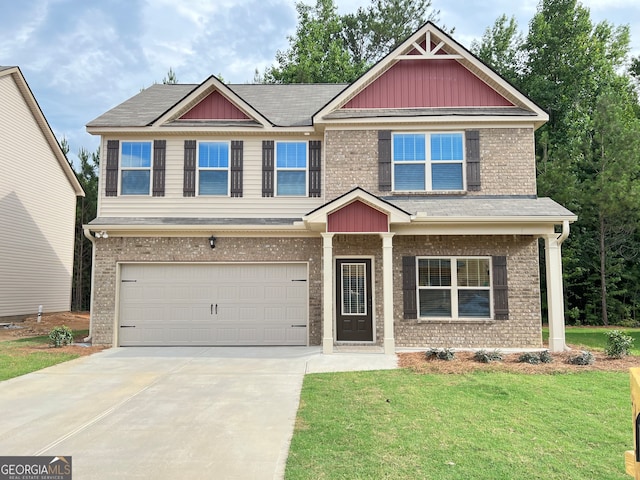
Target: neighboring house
(400, 210)
(38, 191)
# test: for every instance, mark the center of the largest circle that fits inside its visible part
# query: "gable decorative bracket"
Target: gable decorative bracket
(428, 53)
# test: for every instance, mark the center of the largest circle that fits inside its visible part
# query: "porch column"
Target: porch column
(327, 293)
(555, 293)
(387, 292)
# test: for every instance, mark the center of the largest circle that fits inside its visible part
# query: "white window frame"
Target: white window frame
(428, 182)
(364, 292)
(305, 169)
(209, 169)
(454, 288)
(122, 169)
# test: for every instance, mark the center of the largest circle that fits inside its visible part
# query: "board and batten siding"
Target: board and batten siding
(173, 204)
(37, 214)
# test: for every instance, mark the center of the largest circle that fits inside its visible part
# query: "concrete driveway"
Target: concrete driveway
(168, 413)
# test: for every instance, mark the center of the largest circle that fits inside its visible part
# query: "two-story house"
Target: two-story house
(400, 210)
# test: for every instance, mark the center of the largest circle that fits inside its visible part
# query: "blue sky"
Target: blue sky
(83, 57)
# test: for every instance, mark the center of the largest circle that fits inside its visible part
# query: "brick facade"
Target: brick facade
(189, 249)
(521, 330)
(507, 162)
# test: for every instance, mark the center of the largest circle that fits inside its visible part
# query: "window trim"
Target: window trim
(428, 162)
(123, 168)
(218, 169)
(454, 288)
(278, 169)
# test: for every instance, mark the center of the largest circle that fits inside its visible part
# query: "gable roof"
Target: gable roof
(42, 122)
(416, 65)
(280, 105)
(424, 55)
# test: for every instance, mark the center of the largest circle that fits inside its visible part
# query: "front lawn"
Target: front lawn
(402, 425)
(18, 357)
(594, 337)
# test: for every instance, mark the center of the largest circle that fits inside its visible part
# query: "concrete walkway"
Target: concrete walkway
(167, 413)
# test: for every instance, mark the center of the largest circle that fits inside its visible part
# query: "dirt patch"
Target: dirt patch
(464, 363)
(30, 327)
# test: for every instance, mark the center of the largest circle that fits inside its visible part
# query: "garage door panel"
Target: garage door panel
(213, 304)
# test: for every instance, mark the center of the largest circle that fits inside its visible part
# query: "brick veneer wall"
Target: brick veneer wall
(522, 329)
(507, 162)
(172, 249)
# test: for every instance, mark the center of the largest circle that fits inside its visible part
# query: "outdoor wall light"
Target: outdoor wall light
(102, 234)
(212, 241)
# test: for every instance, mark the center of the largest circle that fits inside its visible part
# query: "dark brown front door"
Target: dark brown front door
(353, 300)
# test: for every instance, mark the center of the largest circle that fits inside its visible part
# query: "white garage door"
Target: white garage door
(221, 304)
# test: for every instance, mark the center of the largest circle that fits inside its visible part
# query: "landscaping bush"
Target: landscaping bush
(618, 344)
(583, 358)
(486, 357)
(545, 356)
(60, 336)
(534, 358)
(446, 354)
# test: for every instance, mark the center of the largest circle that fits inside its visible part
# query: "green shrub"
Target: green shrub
(628, 323)
(60, 336)
(583, 358)
(446, 354)
(529, 357)
(486, 357)
(618, 344)
(545, 356)
(534, 358)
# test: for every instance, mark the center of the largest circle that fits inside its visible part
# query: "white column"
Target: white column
(555, 294)
(387, 292)
(327, 293)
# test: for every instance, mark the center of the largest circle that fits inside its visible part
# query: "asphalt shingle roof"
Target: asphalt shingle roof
(282, 105)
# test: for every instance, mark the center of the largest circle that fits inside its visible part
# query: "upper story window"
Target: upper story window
(428, 161)
(454, 287)
(213, 168)
(291, 169)
(135, 165)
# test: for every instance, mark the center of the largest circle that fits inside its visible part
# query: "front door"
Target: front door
(354, 316)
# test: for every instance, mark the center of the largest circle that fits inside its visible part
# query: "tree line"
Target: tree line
(587, 155)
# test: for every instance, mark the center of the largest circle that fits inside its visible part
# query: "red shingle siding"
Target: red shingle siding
(427, 84)
(357, 217)
(215, 107)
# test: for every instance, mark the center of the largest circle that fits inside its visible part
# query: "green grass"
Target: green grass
(594, 337)
(16, 361)
(401, 425)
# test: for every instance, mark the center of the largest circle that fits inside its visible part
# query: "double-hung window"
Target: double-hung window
(428, 161)
(213, 168)
(454, 287)
(291, 169)
(135, 165)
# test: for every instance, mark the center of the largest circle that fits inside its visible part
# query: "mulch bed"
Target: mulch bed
(464, 363)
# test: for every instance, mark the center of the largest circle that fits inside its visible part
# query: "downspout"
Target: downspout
(91, 238)
(565, 232)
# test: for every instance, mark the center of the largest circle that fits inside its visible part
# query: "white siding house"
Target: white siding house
(38, 191)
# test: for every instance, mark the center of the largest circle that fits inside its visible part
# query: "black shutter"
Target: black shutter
(384, 160)
(267, 168)
(236, 168)
(111, 180)
(409, 287)
(315, 168)
(189, 189)
(159, 160)
(473, 160)
(500, 291)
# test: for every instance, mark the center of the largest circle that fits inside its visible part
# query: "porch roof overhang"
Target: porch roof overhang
(317, 219)
(455, 215)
